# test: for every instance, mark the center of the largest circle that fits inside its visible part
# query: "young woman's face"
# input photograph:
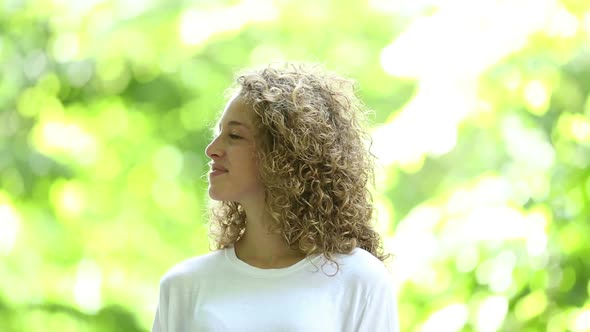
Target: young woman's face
(234, 170)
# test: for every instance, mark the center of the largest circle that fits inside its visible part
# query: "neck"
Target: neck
(262, 248)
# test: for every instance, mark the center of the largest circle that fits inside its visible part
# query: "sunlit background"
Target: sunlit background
(481, 125)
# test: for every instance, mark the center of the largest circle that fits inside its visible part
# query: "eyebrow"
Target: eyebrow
(237, 123)
(234, 123)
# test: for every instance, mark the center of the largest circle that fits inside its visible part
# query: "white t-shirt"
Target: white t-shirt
(219, 292)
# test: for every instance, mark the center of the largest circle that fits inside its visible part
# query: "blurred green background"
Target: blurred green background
(481, 124)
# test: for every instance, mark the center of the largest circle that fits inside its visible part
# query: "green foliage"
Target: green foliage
(482, 123)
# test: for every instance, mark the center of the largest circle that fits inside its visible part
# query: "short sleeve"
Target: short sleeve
(159, 324)
(380, 310)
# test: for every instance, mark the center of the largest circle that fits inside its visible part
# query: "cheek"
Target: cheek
(252, 168)
(251, 159)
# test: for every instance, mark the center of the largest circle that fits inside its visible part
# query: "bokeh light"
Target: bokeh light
(480, 123)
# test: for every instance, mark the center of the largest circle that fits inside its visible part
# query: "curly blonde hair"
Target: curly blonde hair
(314, 161)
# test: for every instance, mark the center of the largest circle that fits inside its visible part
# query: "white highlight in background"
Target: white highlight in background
(197, 26)
(491, 313)
(451, 318)
(87, 287)
(9, 228)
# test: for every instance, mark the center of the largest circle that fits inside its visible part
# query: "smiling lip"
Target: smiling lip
(217, 170)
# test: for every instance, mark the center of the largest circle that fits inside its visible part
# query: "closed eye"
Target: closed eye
(234, 136)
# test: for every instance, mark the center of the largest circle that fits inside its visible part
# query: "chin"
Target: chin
(217, 196)
(214, 196)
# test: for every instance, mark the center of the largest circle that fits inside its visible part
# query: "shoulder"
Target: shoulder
(191, 269)
(362, 267)
(361, 260)
(374, 287)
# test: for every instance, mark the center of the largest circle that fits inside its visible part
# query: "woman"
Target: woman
(295, 247)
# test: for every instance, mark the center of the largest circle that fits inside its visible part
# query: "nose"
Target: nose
(214, 149)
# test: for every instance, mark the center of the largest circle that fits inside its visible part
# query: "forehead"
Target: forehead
(236, 113)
